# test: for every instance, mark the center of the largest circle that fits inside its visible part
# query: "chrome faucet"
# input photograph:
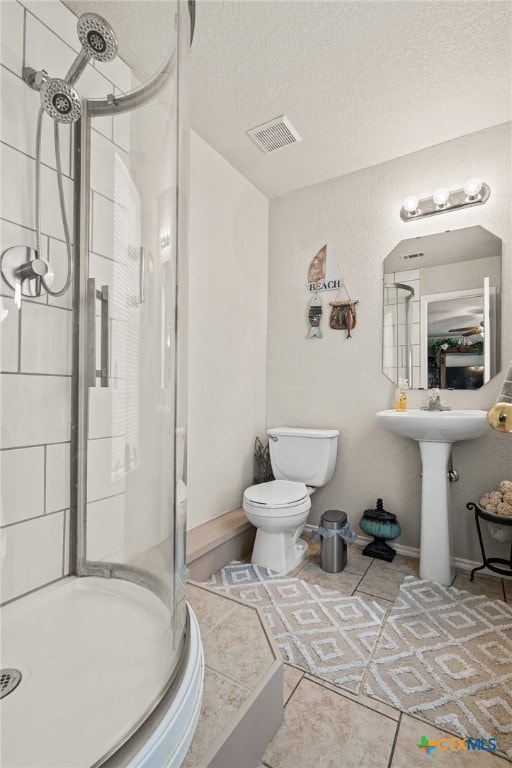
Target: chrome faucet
(434, 402)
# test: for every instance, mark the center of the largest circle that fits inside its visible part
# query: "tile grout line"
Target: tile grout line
(48, 28)
(57, 511)
(379, 597)
(296, 684)
(90, 234)
(37, 373)
(44, 477)
(64, 543)
(393, 747)
(230, 679)
(32, 157)
(105, 498)
(29, 519)
(31, 229)
(65, 175)
(343, 693)
(31, 591)
(19, 337)
(24, 54)
(48, 259)
(231, 612)
(33, 445)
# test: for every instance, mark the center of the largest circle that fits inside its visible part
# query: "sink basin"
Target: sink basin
(435, 432)
(437, 426)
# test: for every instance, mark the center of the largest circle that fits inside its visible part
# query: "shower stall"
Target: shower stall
(398, 339)
(101, 656)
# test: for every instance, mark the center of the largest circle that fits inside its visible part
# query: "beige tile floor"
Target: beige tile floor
(326, 727)
(228, 629)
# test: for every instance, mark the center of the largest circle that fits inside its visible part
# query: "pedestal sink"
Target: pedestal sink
(435, 431)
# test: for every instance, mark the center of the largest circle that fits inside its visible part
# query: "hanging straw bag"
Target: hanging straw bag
(340, 313)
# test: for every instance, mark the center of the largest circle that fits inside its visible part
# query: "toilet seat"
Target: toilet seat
(277, 494)
(278, 499)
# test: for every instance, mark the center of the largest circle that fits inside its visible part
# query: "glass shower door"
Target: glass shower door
(130, 523)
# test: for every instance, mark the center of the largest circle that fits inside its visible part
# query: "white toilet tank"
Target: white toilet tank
(304, 455)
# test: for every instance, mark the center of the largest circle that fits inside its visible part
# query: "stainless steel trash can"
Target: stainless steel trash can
(333, 549)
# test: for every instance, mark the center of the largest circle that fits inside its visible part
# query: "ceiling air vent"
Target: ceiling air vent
(412, 256)
(274, 135)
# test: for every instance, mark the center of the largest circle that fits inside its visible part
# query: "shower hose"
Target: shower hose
(63, 215)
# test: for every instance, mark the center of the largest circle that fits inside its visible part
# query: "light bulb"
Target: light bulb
(472, 187)
(441, 196)
(411, 204)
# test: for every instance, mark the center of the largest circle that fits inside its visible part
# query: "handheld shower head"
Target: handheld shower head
(58, 96)
(60, 100)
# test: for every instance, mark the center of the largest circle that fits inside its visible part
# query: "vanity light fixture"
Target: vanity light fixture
(474, 192)
(165, 237)
(441, 197)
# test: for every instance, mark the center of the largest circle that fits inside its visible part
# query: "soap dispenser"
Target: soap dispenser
(401, 395)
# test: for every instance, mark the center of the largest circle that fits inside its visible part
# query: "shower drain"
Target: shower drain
(9, 680)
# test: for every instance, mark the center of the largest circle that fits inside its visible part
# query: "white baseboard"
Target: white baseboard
(459, 562)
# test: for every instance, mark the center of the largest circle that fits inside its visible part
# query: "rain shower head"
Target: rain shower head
(97, 37)
(58, 96)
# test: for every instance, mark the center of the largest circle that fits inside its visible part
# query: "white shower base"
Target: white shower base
(94, 655)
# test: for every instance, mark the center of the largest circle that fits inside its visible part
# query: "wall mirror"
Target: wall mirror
(441, 312)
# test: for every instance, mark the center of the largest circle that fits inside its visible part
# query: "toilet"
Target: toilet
(302, 461)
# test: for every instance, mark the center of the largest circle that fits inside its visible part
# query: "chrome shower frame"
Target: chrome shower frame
(408, 330)
(83, 358)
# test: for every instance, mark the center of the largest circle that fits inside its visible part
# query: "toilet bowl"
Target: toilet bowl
(302, 460)
(278, 510)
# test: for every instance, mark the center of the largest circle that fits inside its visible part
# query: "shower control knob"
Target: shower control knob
(32, 269)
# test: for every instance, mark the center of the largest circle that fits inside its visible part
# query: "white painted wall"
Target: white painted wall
(335, 382)
(227, 332)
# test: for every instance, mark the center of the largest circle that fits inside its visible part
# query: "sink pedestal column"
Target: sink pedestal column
(435, 558)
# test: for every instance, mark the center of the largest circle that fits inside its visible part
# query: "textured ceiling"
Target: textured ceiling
(363, 82)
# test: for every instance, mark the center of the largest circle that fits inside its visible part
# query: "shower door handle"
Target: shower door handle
(92, 295)
(104, 373)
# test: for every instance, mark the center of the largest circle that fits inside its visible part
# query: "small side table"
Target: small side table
(491, 563)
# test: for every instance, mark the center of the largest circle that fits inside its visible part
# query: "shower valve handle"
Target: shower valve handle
(31, 270)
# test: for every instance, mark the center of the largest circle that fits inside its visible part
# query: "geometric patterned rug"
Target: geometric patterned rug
(446, 656)
(318, 630)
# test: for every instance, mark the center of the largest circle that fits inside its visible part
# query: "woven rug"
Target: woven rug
(321, 631)
(446, 656)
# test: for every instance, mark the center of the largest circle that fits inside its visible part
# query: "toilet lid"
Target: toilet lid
(277, 493)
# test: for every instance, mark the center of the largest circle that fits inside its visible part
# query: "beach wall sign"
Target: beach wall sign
(324, 273)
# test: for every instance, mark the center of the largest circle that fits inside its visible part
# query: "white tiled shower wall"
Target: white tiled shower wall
(35, 355)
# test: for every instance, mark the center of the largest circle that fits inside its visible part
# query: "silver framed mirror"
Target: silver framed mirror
(441, 310)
